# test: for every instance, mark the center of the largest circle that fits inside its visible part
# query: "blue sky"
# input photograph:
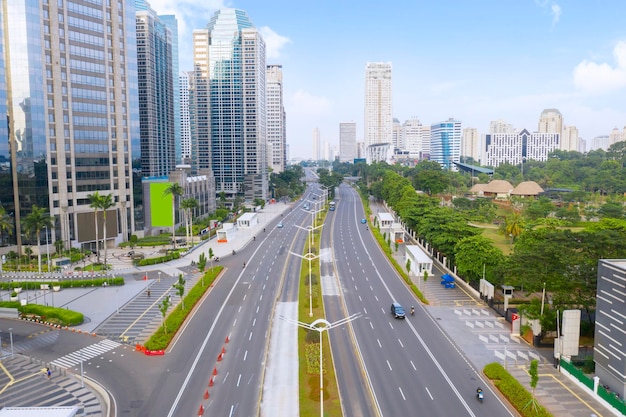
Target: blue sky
(476, 61)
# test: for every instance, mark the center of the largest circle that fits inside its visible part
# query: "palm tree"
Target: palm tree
(95, 199)
(33, 223)
(6, 224)
(514, 225)
(189, 204)
(175, 190)
(106, 202)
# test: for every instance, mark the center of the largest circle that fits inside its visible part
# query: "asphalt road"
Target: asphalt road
(410, 364)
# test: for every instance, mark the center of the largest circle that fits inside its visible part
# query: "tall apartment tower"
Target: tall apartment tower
(378, 103)
(470, 144)
(550, 121)
(317, 146)
(416, 136)
(569, 139)
(228, 106)
(445, 143)
(347, 141)
(156, 95)
(171, 22)
(276, 119)
(185, 129)
(68, 88)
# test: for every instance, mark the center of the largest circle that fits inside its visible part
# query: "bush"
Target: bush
(515, 392)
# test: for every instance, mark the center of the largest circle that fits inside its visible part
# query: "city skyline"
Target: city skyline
(502, 60)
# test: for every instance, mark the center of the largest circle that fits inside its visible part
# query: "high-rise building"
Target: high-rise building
(500, 126)
(156, 94)
(317, 146)
(415, 137)
(171, 22)
(68, 88)
(445, 143)
(569, 138)
(378, 110)
(185, 130)
(228, 106)
(550, 121)
(470, 145)
(515, 148)
(276, 119)
(347, 141)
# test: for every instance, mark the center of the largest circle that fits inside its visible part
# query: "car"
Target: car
(280, 225)
(363, 221)
(397, 311)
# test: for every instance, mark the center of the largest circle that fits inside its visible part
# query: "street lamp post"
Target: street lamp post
(320, 325)
(11, 336)
(47, 249)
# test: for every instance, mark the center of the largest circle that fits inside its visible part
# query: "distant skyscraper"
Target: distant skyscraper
(156, 95)
(599, 142)
(185, 130)
(171, 22)
(276, 119)
(470, 145)
(378, 108)
(514, 148)
(228, 105)
(569, 138)
(416, 137)
(317, 149)
(550, 121)
(347, 141)
(445, 143)
(68, 93)
(501, 126)
(397, 136)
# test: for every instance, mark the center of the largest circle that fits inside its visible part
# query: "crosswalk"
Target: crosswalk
(86, 353)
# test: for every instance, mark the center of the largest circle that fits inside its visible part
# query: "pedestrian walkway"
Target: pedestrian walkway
(24, 383)
(84, 354)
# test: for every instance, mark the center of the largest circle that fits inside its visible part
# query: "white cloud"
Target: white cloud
(601, 78)
(556, 13)
(273, 42)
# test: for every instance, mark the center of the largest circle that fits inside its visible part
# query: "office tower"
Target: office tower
(470, 145)
(227, 105)
(276, 119)
(445, 143)
(514, 148)
(500, 126)
(317, 150)
(347, 141)
(615, 136)
(600, 142)
(415, 137)
(397, 136)
(550, 121)
(171, 22)
(569, 138)
(69, 93)
(378, 111)
(185, 130)
(156, 94)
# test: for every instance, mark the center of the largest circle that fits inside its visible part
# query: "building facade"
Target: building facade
(228, 105)
(69, 89)
(515, 148)
(445, 143)
(317, 145)
(347, 141)
(185, 128)
(276, 120)
(156, 94)
(378, 126)
(470, 145)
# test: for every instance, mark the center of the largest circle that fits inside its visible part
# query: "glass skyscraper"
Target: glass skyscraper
(227, 107)
(445, 143)
(68, 89)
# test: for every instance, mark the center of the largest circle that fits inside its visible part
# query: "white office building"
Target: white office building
(378, 109)
(347, 141)
(276, 120)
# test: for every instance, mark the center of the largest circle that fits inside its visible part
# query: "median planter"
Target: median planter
(17, 290)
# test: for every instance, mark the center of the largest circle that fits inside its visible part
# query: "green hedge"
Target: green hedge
(159, 260)
(54, 315)
(160, 340)
(515, 392)
(72, 283)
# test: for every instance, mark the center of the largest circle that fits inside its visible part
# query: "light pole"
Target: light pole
(47, 249)
(159, 276)
(11, 336)
(309, 256)
(320, 325)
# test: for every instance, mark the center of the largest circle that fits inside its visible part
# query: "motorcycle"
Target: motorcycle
(412, 310)
(479, 394)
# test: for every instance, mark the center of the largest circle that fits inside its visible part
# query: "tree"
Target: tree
(175, 190)
(534, 378)
(94, 203)
(6, 224)
(211, 256)
(202, 262)
(514, 225)
(33, 223)
(163, 307)
(476, 255)
(59, 246)
(189, 204)
(180, 289)
(106, 202)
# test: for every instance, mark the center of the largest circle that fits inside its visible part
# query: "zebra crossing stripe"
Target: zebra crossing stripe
(86, 353)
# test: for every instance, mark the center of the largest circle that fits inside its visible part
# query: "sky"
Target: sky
(475, 61)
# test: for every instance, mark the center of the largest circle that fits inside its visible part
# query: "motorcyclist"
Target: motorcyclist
(479, 393)
(244, 264)
(412, 310)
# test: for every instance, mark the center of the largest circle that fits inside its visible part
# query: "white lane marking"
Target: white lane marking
(431, 397)
(402, 393)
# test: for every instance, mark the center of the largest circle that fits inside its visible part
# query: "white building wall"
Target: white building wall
(378, 103)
